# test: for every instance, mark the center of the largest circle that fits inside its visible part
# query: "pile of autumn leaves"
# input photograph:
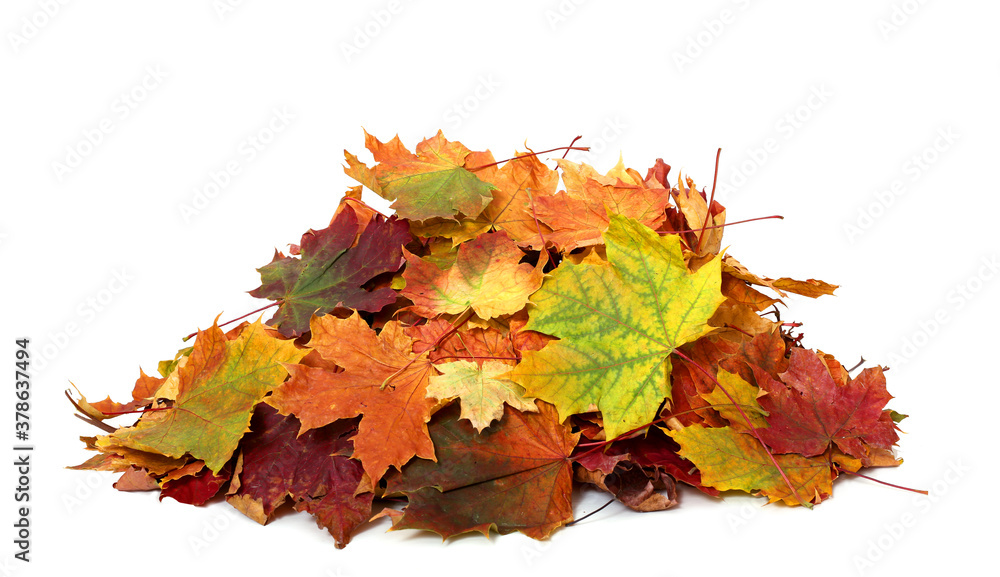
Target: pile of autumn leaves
(491, 344)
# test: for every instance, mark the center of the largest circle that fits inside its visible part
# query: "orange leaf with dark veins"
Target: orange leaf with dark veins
(487, 275)
(472, 344)
(579, 215)
(394, 419)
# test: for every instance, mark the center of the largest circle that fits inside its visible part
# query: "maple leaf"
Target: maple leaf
(118, 458)
(729, 350)
(694, 206)
(811, 287)
(443, 342)
(218, 388)
(580, 215)
(142, 395)
(617, 324)
(194, 483)
(809, 410)
(136, 479)
(656, 449)
(485, 275)
(519, 183)
(166, 367)
(741, 317)
(314, 469)
(434, 182)
(744, 394)
(482, 392)
(637, 488)
(740, 292)
(513, 476)
(393, 426)
(729, 460)
(457, 380)
(332, 270)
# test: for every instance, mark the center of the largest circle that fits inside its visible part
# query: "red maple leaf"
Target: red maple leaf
(809, 410)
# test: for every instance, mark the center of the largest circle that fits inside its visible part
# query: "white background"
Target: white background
(849, 92)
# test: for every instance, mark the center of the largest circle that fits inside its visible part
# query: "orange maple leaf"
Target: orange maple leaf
(393, 426)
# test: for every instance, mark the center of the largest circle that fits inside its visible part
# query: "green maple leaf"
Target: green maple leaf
(434, 182)
(617, 324)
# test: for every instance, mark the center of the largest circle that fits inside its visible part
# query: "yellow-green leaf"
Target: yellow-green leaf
(617, 324)
(744, 394)
(218, 388)
(731, 460)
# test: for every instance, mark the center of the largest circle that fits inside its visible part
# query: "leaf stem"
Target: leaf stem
(861, 362)
(721, 225)
(595, 511)
(263, 308)
(529, 155)
(651, 423)
(475, 358)
(708, 208)
(92, 421)
(753, 429)
(461, 321)
(920, 491)
(570, 147)
(149, 410)
(618, 438)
